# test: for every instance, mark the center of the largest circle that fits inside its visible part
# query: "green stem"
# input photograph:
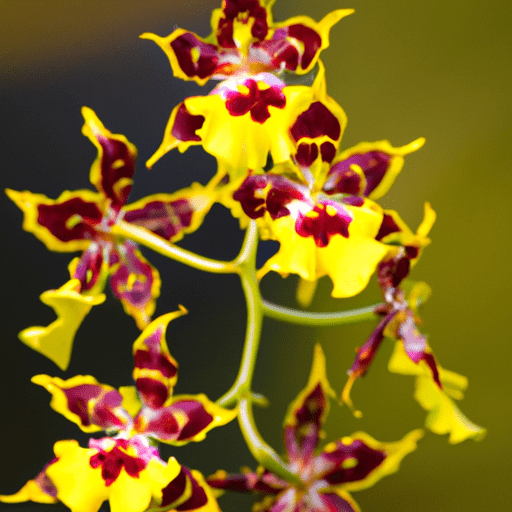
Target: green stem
(296, 316)
(246, 266)
(259, 448)
(162, 246)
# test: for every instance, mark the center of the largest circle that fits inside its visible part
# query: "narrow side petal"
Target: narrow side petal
(156, 371)
(306, 414)
(387, 463)
(65, 224)
(113, 169)
(86, 402)
(56, 340)
(136, 283)
(172, 215)
(40, 490)
(190, 56)
(187, 418)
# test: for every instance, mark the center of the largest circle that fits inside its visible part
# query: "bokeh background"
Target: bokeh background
(401, 70)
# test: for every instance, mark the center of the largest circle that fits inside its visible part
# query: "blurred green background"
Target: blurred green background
(401, 70)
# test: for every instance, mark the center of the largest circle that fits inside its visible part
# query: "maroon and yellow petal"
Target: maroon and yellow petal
(172, 215)
(186, 418)
(238, 23)
(41, 490)
(86, 402)
(156, 371)
(262, 193)
(316, 127)
(298, 41)
(135, 282)
(364, 359)
(444, 417)
(306, 414)
(376, 164)
(188, 491)
(337, 500)
(113, 169)
(65, 224)
(349, 261)
(395, 233)
(181, 132)
(91, 269)
(359, 461)
(190, 56)
(261, 481)
(125, 472)
(56, 340)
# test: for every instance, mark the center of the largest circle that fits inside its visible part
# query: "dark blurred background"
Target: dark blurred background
(401, 70)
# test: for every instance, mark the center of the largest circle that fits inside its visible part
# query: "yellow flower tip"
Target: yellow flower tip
(345, 396)
(42, 380)
(20, 199)
(335, 16)
(149, 36)
(429, 218)
(411, 147)
(92, 125)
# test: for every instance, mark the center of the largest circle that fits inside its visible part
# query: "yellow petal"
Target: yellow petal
(56, 340)
(444, 417)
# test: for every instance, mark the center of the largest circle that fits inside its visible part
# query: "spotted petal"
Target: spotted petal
(126, 473)
(261, 481)
(444, 417)
(86, 402)
(188, 491)
(348, 261)
(359, 461)
(65, 224)
(56, 341)
(171, 215)
(306, 414)
(368, 169)
(112, 171)
(186, 418)
(156, 371)
(135, 282)
(192, 57)
(296, 43)
(40, 490)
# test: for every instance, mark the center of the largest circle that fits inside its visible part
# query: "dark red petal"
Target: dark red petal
(132, 281)
(365, 460)
(89, 267)
(387, 227)
(74, 219)
(281, 192)
(102, 413)
(335, 503)
(316, 121)
(368, 351)
(245, 11)
(202, 66)
(264, 483)
(165, 219)
(186, 124)
(116, 163)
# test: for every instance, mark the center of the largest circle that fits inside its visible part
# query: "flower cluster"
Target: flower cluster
(283, 174)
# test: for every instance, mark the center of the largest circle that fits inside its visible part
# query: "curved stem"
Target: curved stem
(162, 246)
(245, 263)
(259, 449)
(296, 316)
